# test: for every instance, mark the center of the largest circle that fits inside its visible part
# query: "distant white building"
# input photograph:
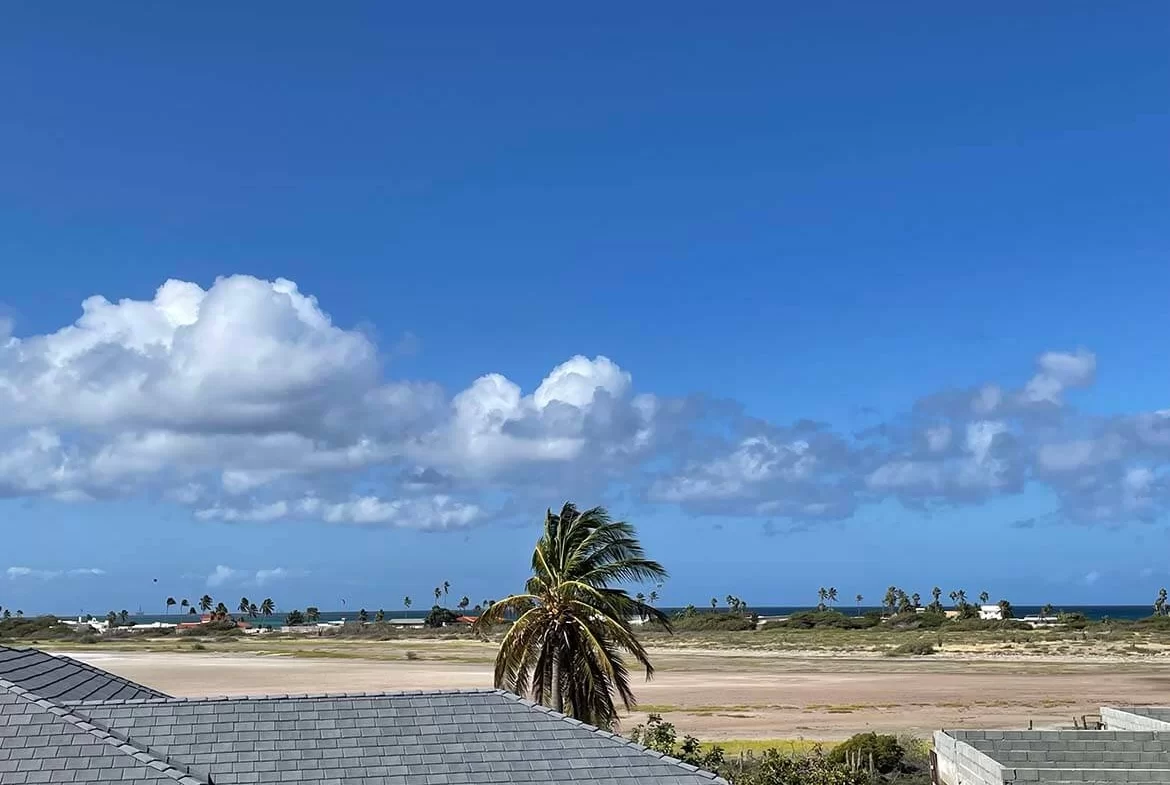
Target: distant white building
(990, 612)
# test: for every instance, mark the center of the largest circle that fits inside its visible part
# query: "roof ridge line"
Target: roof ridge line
(288, 696)
(715, 778)
(123, 744)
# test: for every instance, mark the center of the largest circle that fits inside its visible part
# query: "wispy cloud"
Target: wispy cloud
(223, 574)
(16, 573)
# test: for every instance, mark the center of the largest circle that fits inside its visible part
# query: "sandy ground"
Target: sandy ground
(721, 695)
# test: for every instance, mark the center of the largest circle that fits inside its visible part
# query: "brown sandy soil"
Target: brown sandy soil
(717, 695)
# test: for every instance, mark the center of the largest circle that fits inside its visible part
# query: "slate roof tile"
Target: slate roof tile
(486, 737)
(65, 680)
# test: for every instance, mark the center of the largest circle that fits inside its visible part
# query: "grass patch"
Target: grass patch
(757, 746)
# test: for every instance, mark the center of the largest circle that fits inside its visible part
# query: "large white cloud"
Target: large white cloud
(246, 403)
(244, 397)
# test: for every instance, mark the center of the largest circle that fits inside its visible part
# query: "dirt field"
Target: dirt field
(712, 695)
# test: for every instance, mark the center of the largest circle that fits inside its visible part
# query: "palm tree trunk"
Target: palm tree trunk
(558, 701)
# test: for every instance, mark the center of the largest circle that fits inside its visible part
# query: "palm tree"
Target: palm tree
(1005, 609)
(565, 647)
(1046, 611)
(714, 603)
(640, 597)
(312, 615)
(111, 618)
(653, 597)
(984, 598)
(1160, 603)
(123, 617)
(915, 599)
(205, 603)
(464, 602)
(184, 604)
(962, 595)
(891, 599)
(822, 593)
(253, 611)
(191, 611)
(446, 587)
(438, 593)
(380, 616)
(244, 606)
(859, 598)
(170, 603)
(406, 604)
(936, 605)
(832, 595)
(268, 607)
(363, 617)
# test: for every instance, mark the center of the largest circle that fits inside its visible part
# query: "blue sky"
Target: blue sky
(818, 295)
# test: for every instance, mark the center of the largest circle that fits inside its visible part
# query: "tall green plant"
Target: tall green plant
(572, 623)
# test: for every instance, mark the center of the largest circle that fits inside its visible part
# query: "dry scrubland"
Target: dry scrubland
(779, 684)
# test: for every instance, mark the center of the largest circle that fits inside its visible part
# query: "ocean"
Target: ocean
(1096, 612)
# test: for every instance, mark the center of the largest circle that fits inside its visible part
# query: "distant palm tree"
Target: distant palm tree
(191, 611)
(206, 603)
(653, 597)
(111, 618)
(954, 598)
(244, 606)
(1005, 609)
(268, 607)
(832, 595)
(253, 611)
(170, 603)
(915, 599)
(859, 598)
(184, 604)
(312, 614)
(640, 597)
(124, 617)
(438, 594)
(822, 594)
(891, 599)
(363, 617)
(1046, 611)
(380, 616)
(464, 602)
(572, 624)
(406, 604)
(936, 605)
(1160, 603)
(984, 598)
(714, 603)
(221, 611)
(446, 588)
(962, 595)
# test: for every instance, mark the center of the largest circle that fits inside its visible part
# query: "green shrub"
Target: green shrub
(886, 751)
(702, 622)
(912, 649)
(439, 617)
(976, 625)
(807, 620)
(777, 768)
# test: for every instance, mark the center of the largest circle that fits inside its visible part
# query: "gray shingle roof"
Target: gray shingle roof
(65, 680)
(41, 742)
(433, 738)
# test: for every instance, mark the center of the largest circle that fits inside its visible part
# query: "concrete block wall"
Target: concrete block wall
(1136, 719)
(959, 763)
(1001, 757)
(1077, 749)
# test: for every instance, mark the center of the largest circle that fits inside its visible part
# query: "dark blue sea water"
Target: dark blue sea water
(1090, 611)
